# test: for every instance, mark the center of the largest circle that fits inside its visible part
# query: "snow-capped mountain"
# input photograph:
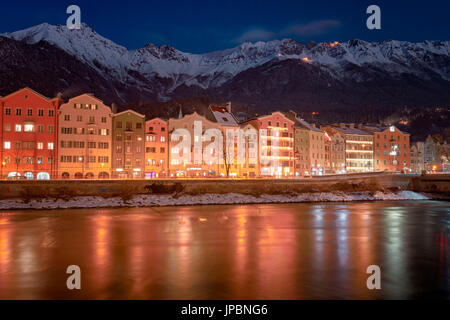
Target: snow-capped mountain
(285, 71)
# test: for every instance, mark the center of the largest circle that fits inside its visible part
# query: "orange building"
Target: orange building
(156, 148)
(391, 148)
(28, 135)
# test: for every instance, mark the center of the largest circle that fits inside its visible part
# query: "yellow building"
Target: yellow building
(309, 147)
(84, 139)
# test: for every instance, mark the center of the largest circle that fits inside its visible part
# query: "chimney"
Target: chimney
(228, 107)
(342, 125)
(313, 125)
(352, 126)
(114, 108)
(360, 125)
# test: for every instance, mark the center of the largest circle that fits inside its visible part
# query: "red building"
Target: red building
(28, 127)
(391, 148)
(156, 148)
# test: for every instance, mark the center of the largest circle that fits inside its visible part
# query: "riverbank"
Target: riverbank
(203, 199)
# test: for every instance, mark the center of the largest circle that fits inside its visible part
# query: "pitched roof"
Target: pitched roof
(348, 130)
(129, 110)
(306, 125)
(28, 89)
(223, 117)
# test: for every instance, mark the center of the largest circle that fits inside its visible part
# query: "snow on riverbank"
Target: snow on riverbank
(180, 200)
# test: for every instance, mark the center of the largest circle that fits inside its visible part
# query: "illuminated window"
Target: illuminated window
(50, 146)
(28, 127)
(40, 145)
(7, 145)
(18, 128)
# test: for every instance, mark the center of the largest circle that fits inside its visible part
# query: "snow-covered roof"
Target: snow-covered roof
(379, 129)
(349, 130)
(223, 117)
(306, 125)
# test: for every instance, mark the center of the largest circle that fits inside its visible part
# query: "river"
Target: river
(270, 251)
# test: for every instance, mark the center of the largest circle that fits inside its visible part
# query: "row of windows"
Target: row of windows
(29, 112)
(385, 153)
(27, 160)
(129, 125)
(392, 137)
(153, 139)
(128, 149)
(81, 144)
(150, 129)
(128, 162)
(85, 106)
(278, 124)
(80, 159)
(27, 145)
(154, 162)
(128, 137)
(392, 162)
(80, 118)
(28, 127)
(153, 150)
(91, 131)
(398, 145)
(360, 138)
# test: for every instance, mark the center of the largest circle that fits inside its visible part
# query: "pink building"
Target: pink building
(156, 148)
(276, 147)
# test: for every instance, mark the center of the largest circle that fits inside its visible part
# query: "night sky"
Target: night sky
(203, 26)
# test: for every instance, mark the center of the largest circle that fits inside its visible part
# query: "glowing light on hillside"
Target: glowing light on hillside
(332, 44)
(306, 59)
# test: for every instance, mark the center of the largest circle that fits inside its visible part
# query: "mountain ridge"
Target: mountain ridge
(278, 73)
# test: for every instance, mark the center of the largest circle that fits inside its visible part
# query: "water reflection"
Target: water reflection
(288, 251)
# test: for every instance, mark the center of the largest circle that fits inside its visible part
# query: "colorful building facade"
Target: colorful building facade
(84, 139)
(156, 149)
(194, 135)
(310, 153)
(391, 148)
(358, 146)
(128, 146)
(28, 131)
(276, 145)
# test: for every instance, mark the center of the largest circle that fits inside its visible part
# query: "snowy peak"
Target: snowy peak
(141, 66)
